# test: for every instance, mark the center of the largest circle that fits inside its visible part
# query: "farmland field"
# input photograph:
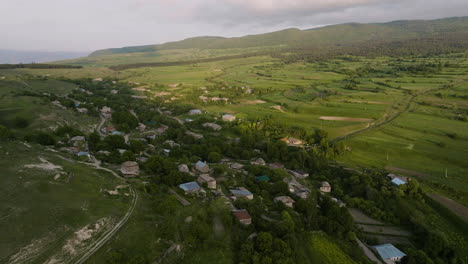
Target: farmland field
(387, 117)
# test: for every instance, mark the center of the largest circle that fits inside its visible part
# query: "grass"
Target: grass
(425, 138)
(158, 222)
(36, 207)
(318, 248)
(40, 113)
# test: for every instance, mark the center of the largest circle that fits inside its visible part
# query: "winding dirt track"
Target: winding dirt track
(96, 245)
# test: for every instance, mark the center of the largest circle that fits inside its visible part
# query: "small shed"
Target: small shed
(228, 118)
(213, 126)
(242, 193)
(325, 188)
(301, 174)
(242, 216)
(398, 181)
(195, 112)
(130, 169)
(183, 168)
(190, 187)
(389, 253)
(206, 178)
(258, 161)
(286, 200)
(202, 167)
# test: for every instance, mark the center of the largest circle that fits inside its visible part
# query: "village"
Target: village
(205, 181)
(270, 180)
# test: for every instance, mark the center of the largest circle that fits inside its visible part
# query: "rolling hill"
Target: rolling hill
(330, 35)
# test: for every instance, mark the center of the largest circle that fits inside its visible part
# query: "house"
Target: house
(276, 166)
(262, 178)
(130, 169)
(162, 129)
(258, 161)
(242, 216)
(118, 133)
(213, 126)
(194, 135)
(141, 127)
(83, 154)
(106, 130)
(301, 174)
(241, 192)
(190, 187)
(114, 91)
(206, 178)
(398, 182)
(82, 110)
(195, 112)
(202, 167)
(236, 166)
(228, 118)
(293, 142)
(286, 200)
(389, 253)
(98, 80)
(325, 188)
(183, 168)
(106, 112)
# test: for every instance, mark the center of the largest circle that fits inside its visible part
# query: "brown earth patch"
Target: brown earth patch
(50, 117)
(278, 107)
(456, 207)
(253, 102)
(346, 119)
(370, 102)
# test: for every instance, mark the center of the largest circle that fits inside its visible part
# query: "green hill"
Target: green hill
(330, 35)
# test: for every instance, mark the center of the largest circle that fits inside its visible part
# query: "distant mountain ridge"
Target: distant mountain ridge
(342, 34)
(16, 56)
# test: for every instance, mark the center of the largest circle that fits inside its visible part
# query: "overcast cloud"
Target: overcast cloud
(86, 25)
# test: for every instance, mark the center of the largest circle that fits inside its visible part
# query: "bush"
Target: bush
(42, 138)
(21, 122)
(5, 134)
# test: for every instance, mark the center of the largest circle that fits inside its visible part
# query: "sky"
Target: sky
(87, 25)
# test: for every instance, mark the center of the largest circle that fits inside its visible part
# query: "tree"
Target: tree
(5, 134)
(214, 157)
(21, 122)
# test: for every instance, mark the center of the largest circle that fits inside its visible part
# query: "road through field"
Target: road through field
(392, 117)
(96, 245)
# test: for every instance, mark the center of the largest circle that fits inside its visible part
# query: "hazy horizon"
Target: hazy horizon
(53, 25)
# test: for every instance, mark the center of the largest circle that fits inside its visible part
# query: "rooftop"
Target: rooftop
(388, 251)
(189, 186)
(241, 214)
(241, 192)
(398, 181)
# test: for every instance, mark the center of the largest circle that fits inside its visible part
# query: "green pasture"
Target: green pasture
(41, 211)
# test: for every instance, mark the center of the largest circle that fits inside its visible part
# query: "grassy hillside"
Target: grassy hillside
(337, 34)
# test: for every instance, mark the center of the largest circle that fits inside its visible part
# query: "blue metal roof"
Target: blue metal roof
(116, 133)
(388, 251)
(83, 153)
(189, 186)
(263, 178)
(200, 164)
(398, 181)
